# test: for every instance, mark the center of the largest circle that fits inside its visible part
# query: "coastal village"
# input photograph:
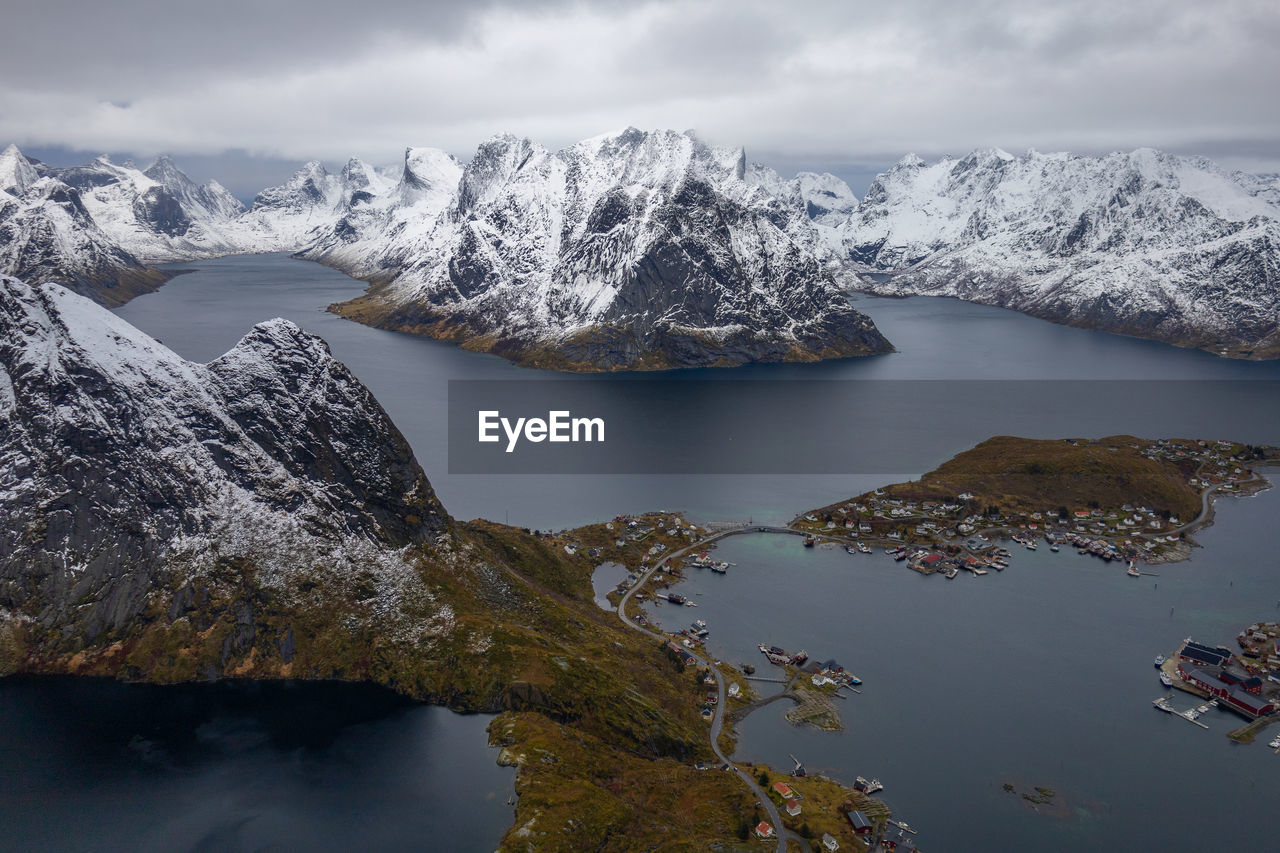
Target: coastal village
(934, 528)
(1245, 682)
(959, 531)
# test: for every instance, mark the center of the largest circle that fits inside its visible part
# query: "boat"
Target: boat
(700, 623)
(720, 568)
(849, 549)
(1166, 680)
(863, 549)
(1275, 744)
(809, 542)
(852, 679)
(874, 785)
(1159, 660)
(1031, 546)
(1132, 571)
(1054, 547)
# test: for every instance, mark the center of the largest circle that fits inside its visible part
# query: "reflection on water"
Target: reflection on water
(96, 764)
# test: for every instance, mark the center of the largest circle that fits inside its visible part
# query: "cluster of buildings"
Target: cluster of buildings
(1215, 670)
(895, 838)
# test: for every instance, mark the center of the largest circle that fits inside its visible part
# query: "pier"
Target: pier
(1189, 715)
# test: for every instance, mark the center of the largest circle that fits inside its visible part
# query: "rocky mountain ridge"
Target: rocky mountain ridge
(127, 472)
(627, 250)
(651, 249)
(1143, 243)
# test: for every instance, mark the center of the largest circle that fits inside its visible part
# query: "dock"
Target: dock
(1190, 715)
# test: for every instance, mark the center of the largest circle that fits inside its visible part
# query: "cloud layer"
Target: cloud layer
(803, 82)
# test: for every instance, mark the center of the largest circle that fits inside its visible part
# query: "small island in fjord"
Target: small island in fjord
(1118, 497)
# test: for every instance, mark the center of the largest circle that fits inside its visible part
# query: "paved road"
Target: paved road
(717, 722)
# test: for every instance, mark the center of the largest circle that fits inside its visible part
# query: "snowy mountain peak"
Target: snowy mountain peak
(629, 249)
(165, 172)
(496, 165)
(1145, 242)
(16, 171)
(116, 451)
(309, 186)
(428, 173)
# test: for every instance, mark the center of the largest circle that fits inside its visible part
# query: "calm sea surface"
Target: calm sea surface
(1041, 675)
(92, 764)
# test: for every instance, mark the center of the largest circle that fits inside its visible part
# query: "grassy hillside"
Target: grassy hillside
(1030, 475)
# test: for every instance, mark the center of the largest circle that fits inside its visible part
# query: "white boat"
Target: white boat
(1166, 680)
(1054, 547)
(1275, 744)
(1132, 571)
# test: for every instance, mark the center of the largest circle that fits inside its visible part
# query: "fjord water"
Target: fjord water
(92, 764)
(1038, 676)
(202, 314)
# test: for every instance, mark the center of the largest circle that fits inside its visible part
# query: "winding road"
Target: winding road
(717, 722)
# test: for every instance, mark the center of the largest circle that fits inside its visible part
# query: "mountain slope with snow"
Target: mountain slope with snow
(158, 215)
(48, 234)
(127, 473)
(1144, 243)
(624, 251)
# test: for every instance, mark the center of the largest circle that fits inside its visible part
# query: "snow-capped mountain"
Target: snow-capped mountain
(627, 250)
(158, 215)
(48, 234)
(127, 472)
(1143, 243)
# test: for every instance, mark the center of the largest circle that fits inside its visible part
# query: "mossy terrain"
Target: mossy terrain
(1025, 476)
(1030, 475)
(823, 804)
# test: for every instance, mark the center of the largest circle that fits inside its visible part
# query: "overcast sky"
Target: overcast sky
(843, 86)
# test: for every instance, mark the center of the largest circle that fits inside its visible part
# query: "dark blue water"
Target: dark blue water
(1039, 675)
(90, 764)
(202, 314)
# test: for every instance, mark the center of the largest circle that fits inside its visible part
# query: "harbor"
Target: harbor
(852, 607)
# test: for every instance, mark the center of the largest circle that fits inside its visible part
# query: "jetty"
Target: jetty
(1190, 715)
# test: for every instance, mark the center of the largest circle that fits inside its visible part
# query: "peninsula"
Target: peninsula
(1118, 497)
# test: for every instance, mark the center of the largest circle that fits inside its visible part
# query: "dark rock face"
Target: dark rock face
(160, 210)
(47, 234)
(114, 452)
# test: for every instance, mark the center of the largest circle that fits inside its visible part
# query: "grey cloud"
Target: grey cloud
(813, 82)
